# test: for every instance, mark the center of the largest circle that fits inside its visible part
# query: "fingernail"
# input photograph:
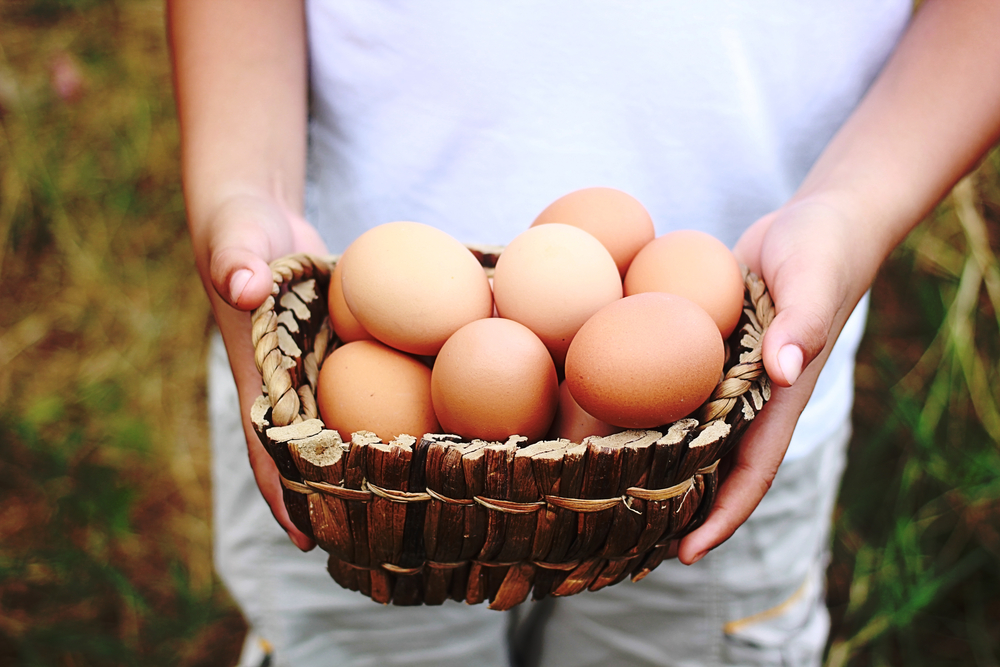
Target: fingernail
(238, 283)
(698, 557)
(790, 362)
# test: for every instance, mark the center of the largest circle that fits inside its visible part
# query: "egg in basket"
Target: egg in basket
(554, 432)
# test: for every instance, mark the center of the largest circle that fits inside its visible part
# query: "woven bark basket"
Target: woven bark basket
(428, 518)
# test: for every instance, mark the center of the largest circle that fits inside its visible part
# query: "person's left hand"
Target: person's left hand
(816, 271)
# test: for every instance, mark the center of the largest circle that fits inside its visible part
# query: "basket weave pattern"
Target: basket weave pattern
(424, 519)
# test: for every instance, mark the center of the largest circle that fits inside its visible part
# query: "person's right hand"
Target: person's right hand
(244, 234)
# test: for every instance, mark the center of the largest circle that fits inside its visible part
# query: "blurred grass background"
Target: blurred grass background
(105, 553)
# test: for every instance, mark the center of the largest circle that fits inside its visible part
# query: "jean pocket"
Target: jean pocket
(790, 634)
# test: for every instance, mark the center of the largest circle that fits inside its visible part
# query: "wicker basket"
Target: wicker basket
(424, 519)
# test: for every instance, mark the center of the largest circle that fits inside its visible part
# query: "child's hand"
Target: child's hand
(246, 233)
(816, 274)
(926, 119)
(240, 82)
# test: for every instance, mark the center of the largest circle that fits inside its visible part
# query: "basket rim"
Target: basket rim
(276, 355)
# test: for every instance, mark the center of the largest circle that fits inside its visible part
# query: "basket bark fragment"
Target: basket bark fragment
(430, 518)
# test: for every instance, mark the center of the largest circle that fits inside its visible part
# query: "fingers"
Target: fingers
(803, 257)
(755, 463)
(807, 287)
(796, 337)
(266, 474)
(246, 233)
(234, 327)
(233, 249)
(746, 485)
(236, 335)
(241, 276)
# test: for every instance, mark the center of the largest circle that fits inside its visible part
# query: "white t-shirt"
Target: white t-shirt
(472, 116)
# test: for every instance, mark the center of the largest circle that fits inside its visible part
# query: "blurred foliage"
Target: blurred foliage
(79, 576)
(105, 551)
(916, 572)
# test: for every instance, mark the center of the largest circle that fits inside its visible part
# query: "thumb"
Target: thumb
(246, 234)
(808, 294)
(240, 276)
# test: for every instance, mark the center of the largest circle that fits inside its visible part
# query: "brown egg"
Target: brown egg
(573, 422)
(645, 360)
(694, 265)
(345, 325)
(368, 386)
(552, 278)
(492, 379)
(411, 285)
(617, 219)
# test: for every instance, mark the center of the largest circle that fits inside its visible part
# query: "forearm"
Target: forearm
(932, 112)
(240, 87)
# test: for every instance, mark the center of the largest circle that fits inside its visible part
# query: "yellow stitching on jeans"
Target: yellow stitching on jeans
(737, 625)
